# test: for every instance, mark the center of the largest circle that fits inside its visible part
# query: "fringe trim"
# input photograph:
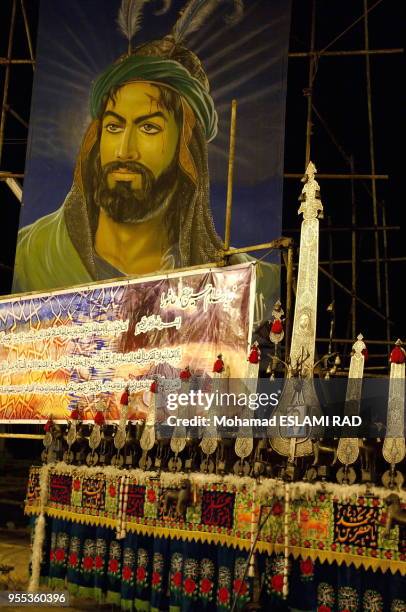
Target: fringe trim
(39, 531)
(205, 537)
(373, 563)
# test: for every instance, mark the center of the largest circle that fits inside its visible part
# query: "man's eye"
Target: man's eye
(150, 128)
(113, 128)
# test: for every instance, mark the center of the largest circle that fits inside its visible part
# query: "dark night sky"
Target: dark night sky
(340, 98)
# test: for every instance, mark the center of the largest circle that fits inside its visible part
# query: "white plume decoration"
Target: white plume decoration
(192, 17)
(196, 12)
(129, 18)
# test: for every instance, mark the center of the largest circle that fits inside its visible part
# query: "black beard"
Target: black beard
(124, 204)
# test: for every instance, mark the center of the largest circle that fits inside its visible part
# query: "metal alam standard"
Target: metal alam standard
(211, 539)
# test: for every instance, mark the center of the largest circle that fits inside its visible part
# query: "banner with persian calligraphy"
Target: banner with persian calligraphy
(83, 345)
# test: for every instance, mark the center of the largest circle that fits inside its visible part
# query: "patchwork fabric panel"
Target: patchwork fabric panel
(60, 489)
(135, 500)
(218, 509)
(93, 492)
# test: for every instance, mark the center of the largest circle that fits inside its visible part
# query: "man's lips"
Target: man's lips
(124, 174)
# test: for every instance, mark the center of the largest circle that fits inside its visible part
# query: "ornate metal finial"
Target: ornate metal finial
(311, 205)
(359, 345)
(276, 333)
(311, 170)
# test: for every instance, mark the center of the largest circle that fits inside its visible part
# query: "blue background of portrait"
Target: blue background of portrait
(247, 61)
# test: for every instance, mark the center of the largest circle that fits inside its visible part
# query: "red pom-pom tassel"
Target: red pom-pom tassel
(185, 374)
(124, 398)
(154, 387)
(277, 327)
(75, 414)
(218, 365)
(48, 425)
(397, 355)
(99, 418)
(254, 355)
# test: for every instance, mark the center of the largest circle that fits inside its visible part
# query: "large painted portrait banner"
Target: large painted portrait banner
(127, 162)
(85, 345)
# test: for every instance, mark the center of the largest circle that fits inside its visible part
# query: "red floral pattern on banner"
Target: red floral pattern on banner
(306, 569)
(127, 573)
(240, 587)
(277, 509)
(88, 563)
(177, 579)
(73, 559)
(277, 583)
(306, 566)
(151, 496)
(141, 574)
(223, 595)
(113, 565)
(189, 585)
(206, 586)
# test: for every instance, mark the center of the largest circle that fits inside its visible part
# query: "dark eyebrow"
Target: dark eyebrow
(115, 115)
(138, 120)
(151, 116)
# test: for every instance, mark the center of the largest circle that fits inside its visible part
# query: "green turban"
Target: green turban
(161, 71)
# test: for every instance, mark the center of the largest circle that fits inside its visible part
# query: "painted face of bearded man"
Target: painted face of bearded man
(148, 159)
(137, 167)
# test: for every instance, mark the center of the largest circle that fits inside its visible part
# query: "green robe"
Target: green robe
(47, 257)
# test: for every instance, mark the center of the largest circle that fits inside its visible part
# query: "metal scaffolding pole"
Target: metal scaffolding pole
(350, 53)
(353, 256)
(289, 292)
(372, 155)
(28, 34)
(231, 159)
(7, 78)
(348, 291)
(309, 91)
(386, 274)
(361, 177)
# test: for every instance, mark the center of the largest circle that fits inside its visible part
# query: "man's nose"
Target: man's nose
(128, 147)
